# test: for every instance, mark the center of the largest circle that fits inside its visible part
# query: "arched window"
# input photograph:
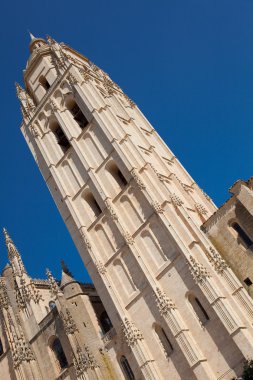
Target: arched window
(126, 368)
(242, 234)
(105, 322)
(51, 305)
(198, 309)
(60, 137)
(78, 115)
(163, 340)
(43, 81)
(1, 347)
(59, 353)
(116, 174)
(94, 207)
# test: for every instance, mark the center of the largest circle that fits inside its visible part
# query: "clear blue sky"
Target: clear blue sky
(187, 64)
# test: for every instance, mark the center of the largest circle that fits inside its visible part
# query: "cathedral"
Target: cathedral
(172, 275)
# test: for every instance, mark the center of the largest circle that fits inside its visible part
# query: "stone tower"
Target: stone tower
(134, 214)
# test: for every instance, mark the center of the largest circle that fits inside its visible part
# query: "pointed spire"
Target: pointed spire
(33, 38)
(13, 254)
(65, 269)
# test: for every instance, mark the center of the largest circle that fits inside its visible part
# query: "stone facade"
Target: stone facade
(135, 215)
(50, 329)
(231, 231)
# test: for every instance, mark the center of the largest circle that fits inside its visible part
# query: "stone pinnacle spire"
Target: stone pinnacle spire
(13, 253)
(33, 38)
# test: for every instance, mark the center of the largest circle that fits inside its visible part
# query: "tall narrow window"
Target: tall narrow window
(61, 138)
(93, 207)
(116, 174)
(126, 368)
(44, 82)
(164, 340)
(242, 234)
(59, 353)
(1, 347)
(78, 116)
(105, 322)
(198, 308)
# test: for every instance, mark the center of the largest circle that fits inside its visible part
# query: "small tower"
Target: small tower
(135, 214)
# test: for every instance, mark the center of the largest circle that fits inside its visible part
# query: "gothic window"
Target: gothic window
(61, 137)
(242, 234)
(94, 207)
(1, 348)
(126, 368)
(163, 340)
(43, 81)
(59, 353)
(116, 174)
(105, 322)
(78, 115)
(51, 305)
(198, 309)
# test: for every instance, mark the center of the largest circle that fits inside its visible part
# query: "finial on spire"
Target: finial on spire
(65, 269)
(32, 36)
(7, 236)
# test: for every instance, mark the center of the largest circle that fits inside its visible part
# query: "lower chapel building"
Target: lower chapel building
(172, 294)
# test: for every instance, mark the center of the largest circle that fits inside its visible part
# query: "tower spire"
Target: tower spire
(32, 37)
(13, 254)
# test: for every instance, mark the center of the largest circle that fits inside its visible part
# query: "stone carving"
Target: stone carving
(111, 210)
(159, 176)
(59, 57)
(164, 303)
(176, 200)
(219, 264)
(129, 101)
(201, 209)
(198, 271)
(72, 79)
(128, 238)
(100, 267)
(85, 74)
(54, 288)
(85, 239)
(68, 322)
(84, 360)
(137, 179)
(131, 332)
(27, 104)
(34, 131)
(157, 207)
(4, 298)
(53, 105)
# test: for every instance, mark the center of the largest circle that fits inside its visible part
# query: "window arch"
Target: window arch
(116, 174)
(105, 322)
(198, 308)
(126, 368)
(59, 353)
(44, 82)
(77, 114)
(242, 234)
(92, 205)
(60, 137)
(163, 340)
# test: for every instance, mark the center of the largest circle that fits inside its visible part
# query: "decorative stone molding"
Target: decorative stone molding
(85, 74)
(131, 332)
(137, 179)
(85, 239)
(84, 360)
(100, 267)
(54, 288)
(130, 102)
(164, 303)
(111, 210)
(176, 200)
(72, 79)
(27, 104)
(4, 298)
(157, 207)
(68, 322)
(159, 176)
(53, 105)
(219, 264)
(34, 131)
(128, 238)
(201, 209)
(198, 271)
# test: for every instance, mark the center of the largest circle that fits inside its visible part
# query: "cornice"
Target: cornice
(34, 58)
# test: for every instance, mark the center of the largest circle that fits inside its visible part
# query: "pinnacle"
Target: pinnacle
(7, 236)
(33, 38)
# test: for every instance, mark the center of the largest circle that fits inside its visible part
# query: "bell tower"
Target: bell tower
(134, 214)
